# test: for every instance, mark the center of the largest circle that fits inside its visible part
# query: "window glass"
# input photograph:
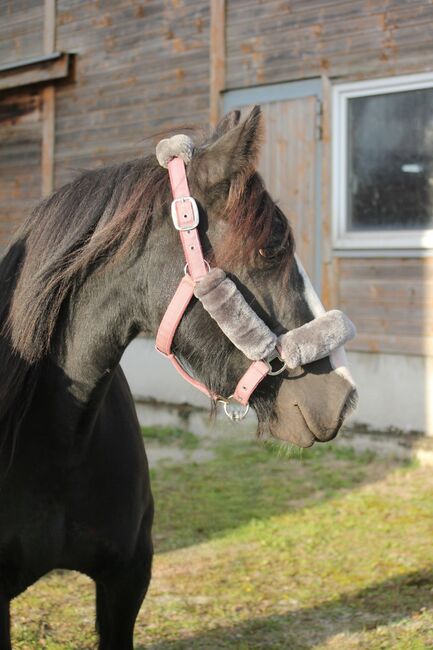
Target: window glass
(390, 161)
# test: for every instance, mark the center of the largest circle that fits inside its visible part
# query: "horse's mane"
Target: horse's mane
(93, 220)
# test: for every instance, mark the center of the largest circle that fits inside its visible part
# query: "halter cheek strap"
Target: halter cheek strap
(185, 218)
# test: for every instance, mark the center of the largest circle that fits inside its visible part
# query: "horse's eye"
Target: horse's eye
(270, 252)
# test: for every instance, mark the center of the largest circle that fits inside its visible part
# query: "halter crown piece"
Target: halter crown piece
(324, 336)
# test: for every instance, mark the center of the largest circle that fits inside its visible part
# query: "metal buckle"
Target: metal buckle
(186, 270)
(275, 355)
(175, 217)
(234, 410)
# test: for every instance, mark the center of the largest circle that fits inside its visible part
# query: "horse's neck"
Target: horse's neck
(101, 322)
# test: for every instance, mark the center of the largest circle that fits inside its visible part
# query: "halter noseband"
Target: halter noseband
(321, 337)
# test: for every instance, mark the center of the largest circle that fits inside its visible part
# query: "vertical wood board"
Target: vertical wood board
(217, 57)
(288, 166)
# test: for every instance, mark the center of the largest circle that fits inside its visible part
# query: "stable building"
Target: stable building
(346, 88)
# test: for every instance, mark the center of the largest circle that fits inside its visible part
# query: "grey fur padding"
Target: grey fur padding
(178, 146)
(316, 339)
(239, 322)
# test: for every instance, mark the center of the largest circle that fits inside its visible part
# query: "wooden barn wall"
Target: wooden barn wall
(276, 41)
(20, 159)
(391, 302)
(21, 29)
(142, 68)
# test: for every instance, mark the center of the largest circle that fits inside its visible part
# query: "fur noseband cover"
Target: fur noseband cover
(225, 303)
(316, 339)
(240, 323)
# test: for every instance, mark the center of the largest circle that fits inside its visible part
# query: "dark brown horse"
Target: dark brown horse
(95, 264)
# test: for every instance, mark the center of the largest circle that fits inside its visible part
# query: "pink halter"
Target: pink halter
(185, 216)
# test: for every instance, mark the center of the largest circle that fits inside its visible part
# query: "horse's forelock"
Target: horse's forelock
(250, 214)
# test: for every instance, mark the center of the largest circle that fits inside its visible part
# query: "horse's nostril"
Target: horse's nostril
(350, 404)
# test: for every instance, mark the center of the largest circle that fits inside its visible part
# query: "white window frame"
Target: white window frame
(344, 239)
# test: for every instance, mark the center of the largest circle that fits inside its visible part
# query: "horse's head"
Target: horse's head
(244, 232)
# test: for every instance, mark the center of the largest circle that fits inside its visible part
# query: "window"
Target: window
(383, 163)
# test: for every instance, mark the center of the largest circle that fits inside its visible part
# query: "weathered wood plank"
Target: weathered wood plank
(21, 29)
(390, 301)
(217, 57)
(49, 103)
(269, 42)
(20, 160)
(35, 73)
(414, 345)
(141, 69)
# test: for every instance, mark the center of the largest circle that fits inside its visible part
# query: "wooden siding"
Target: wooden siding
(36, 72)
(276, 41)
(391, 303)
(142, 69)
(20, 159)
(21, 29)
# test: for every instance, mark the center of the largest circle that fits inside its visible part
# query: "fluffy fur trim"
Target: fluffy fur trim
(316, 339)
(239, 322)
(178, 146)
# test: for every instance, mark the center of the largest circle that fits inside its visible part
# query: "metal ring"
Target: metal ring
(185, 268)
(233, 409)
(271, 358)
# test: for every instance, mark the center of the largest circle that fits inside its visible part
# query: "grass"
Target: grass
(170, 436)
(325, 549)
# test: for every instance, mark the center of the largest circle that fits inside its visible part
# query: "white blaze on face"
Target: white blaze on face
(338, 357)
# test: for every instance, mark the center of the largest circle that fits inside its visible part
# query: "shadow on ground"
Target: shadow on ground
(382, 604)
(198, 502)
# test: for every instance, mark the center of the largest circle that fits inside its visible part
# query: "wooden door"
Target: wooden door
(289, 164)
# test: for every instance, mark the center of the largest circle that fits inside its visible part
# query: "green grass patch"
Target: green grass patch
(327, 550)
(170, 436)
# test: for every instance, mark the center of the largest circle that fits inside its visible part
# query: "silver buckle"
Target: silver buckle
(175, 217)
(275, 355)
(234, 410)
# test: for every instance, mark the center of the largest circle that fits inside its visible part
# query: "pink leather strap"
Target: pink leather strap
(249, 381)
(194, 382)
(178, 179)
(185, 218)
(173, 315)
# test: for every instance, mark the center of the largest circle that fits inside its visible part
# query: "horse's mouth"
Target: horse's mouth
(295, 424)
(293, 428)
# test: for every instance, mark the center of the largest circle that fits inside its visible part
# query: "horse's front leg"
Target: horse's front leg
(119, 597)
(5, 624)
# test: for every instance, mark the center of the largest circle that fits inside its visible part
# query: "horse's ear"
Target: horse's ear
(233, 154)
(227, 123)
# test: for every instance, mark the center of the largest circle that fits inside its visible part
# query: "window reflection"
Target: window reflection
(390, 160)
